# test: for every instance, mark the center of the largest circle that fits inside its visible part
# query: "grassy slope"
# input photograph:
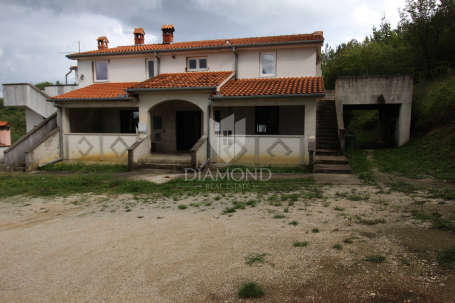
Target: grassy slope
(432, 155)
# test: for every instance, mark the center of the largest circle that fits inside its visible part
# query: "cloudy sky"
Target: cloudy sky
(33, 32)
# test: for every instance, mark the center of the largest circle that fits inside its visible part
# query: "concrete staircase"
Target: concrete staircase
(328, 156)
(168, 161)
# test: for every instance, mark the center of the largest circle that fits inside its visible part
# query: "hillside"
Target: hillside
(15, 116)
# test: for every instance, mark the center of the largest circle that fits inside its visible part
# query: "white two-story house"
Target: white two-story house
(248, 101)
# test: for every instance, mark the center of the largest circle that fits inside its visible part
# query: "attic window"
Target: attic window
(197, 64)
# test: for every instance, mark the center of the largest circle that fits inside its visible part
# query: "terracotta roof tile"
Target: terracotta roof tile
(273, 86)
(205, 43)
(193, 79)
(97, 90)
(167, 26)
(104, 38)
(4, 123)
(139, 30)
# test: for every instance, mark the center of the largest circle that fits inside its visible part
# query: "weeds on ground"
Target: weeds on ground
(371, 221)
(437, 219)
(273, 169)
(374, 259)
(256, 257)
(295, 223)
(300, 244)
(279, 216)
(337, 208)
(250, 290)
(447, 257)
(315, 230)
(360, 165)
(338, 246)
(181, 206)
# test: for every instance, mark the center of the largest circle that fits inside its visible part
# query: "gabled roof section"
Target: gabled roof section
(97, 91)
(273, 86)
(5, 123)
(193, 79)
(256, 41)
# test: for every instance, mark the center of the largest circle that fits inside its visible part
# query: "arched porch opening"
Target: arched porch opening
(175, 126)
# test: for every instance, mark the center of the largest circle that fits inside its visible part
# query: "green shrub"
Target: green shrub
(250, 289)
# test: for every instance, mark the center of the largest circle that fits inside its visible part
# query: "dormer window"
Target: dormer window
(101, 72)
(197, 64)
(268, 64)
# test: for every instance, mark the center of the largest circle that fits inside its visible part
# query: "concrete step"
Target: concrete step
(327, 146)
(167, 166)
(169, 160)
(327, 152)
(326, 136)
(332, 168)
(330, 160)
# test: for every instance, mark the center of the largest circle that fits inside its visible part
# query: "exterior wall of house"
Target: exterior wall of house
(167, 110)
(32, 119)
(290, 62)
(156, 104)
(290, 147)
(5, 137)
(2, 155)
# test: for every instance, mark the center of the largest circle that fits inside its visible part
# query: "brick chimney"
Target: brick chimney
(102, 42)
(168, 33)
(139, 34)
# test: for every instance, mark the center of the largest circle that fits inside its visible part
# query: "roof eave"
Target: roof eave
(138, 90)
(229, 46)
(92, 99)
(269, 96)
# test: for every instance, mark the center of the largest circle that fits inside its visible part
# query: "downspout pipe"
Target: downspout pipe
(209, 107)
(66, 76)
(60, 135)
(236, 63)
(157, 64)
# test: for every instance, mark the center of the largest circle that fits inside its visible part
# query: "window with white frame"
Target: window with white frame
(101, 71)
(195, 64)
(150, 68)
(267, 64)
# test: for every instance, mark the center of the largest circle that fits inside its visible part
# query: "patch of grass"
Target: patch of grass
(405, 262)
(374, 259)
(437, 219)
(360, 165)
(97, 183)
(315, 230)
(256, 257)
(300, 244)
(337, 208)
(431, 155)
(295, 223)
(279, 216)
(181, 206)
(447, 257)
(228, 210)
(372, 221)
(251, 203)
(195, 204)
(338, 246)
(349, 240)
(250, 290)
(85, 167)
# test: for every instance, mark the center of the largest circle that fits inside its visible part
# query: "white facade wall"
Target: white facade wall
(32, 119)
(290, 62)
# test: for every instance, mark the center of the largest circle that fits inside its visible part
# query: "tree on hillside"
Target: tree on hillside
(43, 84)
(423, 22)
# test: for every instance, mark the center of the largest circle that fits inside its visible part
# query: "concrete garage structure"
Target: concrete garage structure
(391, 95)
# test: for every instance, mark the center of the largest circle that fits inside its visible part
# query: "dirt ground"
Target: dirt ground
(125, 248)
